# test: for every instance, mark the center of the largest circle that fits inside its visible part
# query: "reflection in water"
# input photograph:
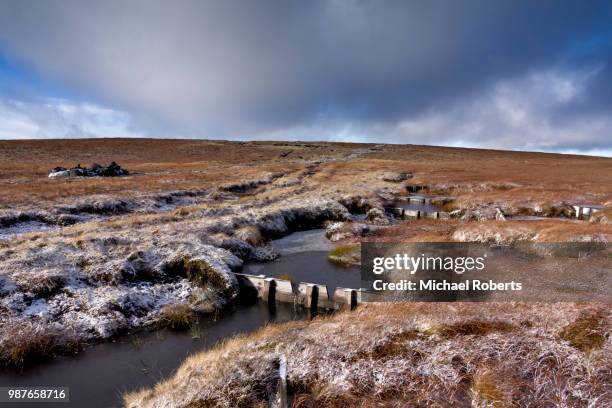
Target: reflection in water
(302, 241)
(311, 267)
(416, 206)
(98, 376)
(304, 259)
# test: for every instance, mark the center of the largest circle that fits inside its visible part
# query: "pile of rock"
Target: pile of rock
(96, 170)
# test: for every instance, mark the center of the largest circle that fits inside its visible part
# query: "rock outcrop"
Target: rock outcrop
(96, 170)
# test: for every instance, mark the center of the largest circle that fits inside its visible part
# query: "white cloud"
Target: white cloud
(58, 118)
(520, 114)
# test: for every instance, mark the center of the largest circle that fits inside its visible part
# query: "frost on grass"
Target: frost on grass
(442, 355)
(496, 232)
(99, 279)
(94, 285)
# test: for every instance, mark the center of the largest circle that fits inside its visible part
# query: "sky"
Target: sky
(519, 75)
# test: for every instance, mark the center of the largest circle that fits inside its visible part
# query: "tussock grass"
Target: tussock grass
(395, 346)
(321, 397)
(587, 332)
(495, 389)
(43, 285)
(448, 206)
(345, 255)
(30, 342)
(182, 212)
(250, 234)
(177, 316)
(468, 328)
(202, 273)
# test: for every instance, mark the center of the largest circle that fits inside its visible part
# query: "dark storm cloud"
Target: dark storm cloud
(411, 72)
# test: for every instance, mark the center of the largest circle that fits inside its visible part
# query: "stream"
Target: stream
(100, 374)
(414, 205)
(304, 259)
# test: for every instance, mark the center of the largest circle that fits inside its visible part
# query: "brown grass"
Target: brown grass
(496, 389)
(465, 360)
(394, 346)
(44, 285)
(469, 328)
(154, 164)
(588, 332)
(30, 343)
(346, 255)
(541, 231)
(158, 165)
(177, 316)
(201, 273)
